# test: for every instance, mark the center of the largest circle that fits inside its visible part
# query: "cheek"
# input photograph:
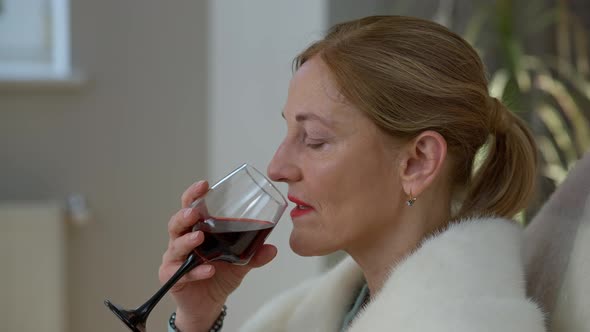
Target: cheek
(363, 192)
(352, 190)
(325, 231)
(364, 204)
(357, 185)
(351, 198)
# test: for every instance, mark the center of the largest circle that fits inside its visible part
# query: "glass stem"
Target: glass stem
(190, 263)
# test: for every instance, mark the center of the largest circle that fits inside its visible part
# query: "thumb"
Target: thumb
(263, 256)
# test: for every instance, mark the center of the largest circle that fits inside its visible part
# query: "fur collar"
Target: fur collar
(466, 278)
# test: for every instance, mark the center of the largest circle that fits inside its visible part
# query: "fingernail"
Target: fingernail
(199, 183)
(207, 268)
(194, 235)
(187, 212)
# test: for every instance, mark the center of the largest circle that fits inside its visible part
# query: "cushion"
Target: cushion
(557, 253)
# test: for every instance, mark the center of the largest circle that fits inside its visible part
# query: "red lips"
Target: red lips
(301, 208)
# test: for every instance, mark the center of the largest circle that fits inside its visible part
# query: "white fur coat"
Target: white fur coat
(468, 278)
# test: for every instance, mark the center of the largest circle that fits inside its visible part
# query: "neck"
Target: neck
(383, 249)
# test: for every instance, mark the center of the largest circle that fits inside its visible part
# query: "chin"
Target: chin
(308, 246)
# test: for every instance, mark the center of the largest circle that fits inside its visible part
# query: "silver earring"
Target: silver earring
(411, 199)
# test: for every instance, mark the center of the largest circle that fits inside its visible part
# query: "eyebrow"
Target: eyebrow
(301, 117)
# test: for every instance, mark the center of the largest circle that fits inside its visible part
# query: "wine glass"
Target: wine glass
(238, 213)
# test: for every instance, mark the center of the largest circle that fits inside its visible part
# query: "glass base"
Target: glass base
(133, 321)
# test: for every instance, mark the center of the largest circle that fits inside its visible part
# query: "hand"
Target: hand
(200, 294)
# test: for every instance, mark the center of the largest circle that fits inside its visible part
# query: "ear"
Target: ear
(422, 161)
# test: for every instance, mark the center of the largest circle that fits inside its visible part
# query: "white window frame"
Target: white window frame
(58, 67)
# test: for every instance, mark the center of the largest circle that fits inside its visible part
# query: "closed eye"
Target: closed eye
(315, 146)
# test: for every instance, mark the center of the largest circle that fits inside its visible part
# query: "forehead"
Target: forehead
(313, 90)
(315, 76)
(314, 94)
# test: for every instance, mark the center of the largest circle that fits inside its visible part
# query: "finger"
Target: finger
(182, 246)
(263, 256)
(196, 190)
(200, 272)
(183, 221)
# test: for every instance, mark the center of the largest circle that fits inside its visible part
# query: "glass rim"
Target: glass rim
(248, 167)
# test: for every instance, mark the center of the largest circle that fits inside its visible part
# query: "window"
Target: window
(34, 39)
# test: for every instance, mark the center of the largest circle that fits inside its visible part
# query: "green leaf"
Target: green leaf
(558, 129)
(498, 83)
(553, 168)
(563, 97)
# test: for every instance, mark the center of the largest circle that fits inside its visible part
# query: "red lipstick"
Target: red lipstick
(300, 209)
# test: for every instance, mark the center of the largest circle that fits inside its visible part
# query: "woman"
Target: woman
(385, 116)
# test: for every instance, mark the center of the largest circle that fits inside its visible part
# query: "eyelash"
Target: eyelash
(310, 143)
(315, 146)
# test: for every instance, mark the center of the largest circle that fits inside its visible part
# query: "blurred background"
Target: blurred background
(110, 109)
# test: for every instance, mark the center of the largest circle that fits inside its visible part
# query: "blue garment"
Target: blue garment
(361, 298)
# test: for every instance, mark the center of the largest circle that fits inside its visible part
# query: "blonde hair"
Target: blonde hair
(410, 75)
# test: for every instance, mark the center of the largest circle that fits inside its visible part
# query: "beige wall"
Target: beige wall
(179, 91)
(130, 141)
(252, 45)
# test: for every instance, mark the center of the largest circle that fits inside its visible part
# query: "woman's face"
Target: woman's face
(341, 169)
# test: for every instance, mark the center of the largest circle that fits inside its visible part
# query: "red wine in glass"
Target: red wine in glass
(231, 240)
(251, 206)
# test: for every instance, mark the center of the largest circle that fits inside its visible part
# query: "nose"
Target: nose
(282, 167)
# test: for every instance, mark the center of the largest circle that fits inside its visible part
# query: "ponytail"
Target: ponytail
(504, 182)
